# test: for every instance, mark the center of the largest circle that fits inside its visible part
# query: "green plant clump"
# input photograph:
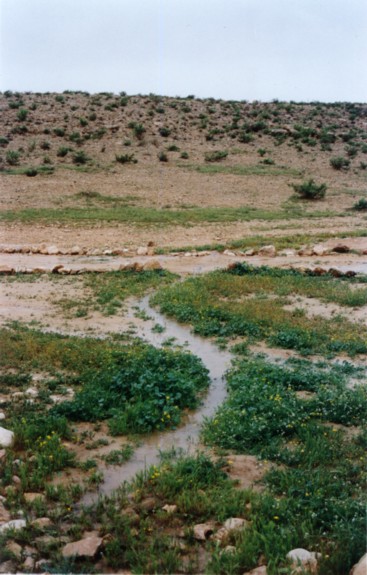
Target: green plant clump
(310, 190)
(142, 389)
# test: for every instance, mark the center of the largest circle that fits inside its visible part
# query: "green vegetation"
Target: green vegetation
(340, 163)
(126, 159)
(141, 390)
(257, 170)
(216, 156)
(162, 216)
(249, 302)
(310, 190)
(361, 205)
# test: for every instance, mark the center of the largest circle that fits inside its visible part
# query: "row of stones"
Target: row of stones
(149, 250)
(151, 265)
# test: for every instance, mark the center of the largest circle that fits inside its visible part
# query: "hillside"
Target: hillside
(111, 171)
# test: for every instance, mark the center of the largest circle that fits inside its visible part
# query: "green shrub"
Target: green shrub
(83, 122)
(138, 129)
(361, 205)
(31, 172)
(165, 132)
(340, 163)
(184, 155)
(80, 158)
(62, 151)
(216, 156)
(141, 390)
(162, 156)
(45, 145)
(12, 157)
(59, 132)
(22, 115)
(310, 190)
(126, 159)
(4, 141)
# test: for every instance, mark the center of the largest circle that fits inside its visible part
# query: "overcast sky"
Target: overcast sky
(232, 49)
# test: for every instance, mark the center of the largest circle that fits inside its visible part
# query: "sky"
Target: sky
(301, 50)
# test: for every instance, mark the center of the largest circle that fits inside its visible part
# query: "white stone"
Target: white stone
(87, 547)
(6, 437)
(142, 251)
(319, 250)
(361, 567)
(235, 523)
(2, 415)
(268, 251)
(15, 524)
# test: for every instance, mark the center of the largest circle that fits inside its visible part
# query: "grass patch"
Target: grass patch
(222, 304)
(256, 170)
(142, 215)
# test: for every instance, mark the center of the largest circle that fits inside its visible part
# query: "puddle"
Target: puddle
(186, 436)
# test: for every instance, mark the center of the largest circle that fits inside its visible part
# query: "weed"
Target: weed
(216, 156)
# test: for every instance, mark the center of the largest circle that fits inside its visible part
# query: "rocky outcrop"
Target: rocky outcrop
(361, 567)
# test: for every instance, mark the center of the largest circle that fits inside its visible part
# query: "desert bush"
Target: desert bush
(83, 122)
(59, 132)
(12, 157)
(31, 172)
(361, 205)
(162, 156)
(310, 190)
(62, 151)
(4, 141)
(126, 159)
(216, 156)
(138, 129)
(184, 155)
(22, 115)
(45, 145)
(340, 163)
(165, 132)
(80, 158)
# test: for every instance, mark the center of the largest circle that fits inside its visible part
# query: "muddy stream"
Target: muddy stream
(185, 437)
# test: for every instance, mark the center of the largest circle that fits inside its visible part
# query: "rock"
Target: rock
(341, 249)
(268, 251)
(250, 253)
(152, 266)
(305, 251)
(288, 253)
(40, 270)
(6, 437)
(75, 251)
(169, 508)
(87, 547)
(42, 523)
(6, 270)
(203, 530)
(28, 564)
(131, 514)
(302, 559)
(42, 565)
(229, 549)
(350, 274)
(32, 391)
(2, 416)
(8, 567)
(335, 273)
(30, 497)
(229, 253)
(15, 524)
(16, 480)
(51, 251)
(142, 251)
(4, 514)
(2, 454)
(318, 272)
(148, 504)
(257, 571)
(319, 250)
(361, 567)
(235, 523)
(14, 548)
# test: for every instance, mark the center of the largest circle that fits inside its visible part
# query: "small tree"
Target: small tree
(310, 190)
